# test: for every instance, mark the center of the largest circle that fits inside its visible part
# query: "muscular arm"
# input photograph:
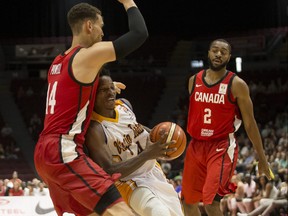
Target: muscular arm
(190, 84)
(90, 60)
(133, 39)
(240, 91)
(99, 152)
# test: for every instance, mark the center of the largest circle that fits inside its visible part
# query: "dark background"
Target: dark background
(181, 18)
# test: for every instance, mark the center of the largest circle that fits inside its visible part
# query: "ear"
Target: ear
(88, 26)
(229, 58)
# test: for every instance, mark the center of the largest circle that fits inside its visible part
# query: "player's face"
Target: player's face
(106, 95)
(218, 55)
(97, 30)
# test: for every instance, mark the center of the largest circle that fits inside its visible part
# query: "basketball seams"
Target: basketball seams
(175, 132)
(182, 141)
(172, 129)
(154, 133)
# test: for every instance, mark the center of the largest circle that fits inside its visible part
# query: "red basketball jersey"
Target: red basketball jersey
(213, 112)
(69, 103)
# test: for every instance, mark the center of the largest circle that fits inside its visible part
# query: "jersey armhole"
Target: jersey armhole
(230, 95)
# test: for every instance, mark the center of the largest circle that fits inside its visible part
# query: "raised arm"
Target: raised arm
(88, 62)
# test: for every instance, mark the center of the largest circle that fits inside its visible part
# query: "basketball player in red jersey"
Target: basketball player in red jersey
(77, 184)
(218, 101)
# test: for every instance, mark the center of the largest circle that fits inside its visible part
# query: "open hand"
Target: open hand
(119, 86)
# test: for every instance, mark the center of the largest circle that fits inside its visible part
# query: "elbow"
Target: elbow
(113, 170)
(142, 35)
(145, 33)
(110, 171)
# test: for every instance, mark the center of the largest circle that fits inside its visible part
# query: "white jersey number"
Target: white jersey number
(50, 100)
(207, 116)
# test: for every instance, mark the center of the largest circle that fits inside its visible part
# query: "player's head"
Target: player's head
(219, 54)
(106, 94)
(85, 19)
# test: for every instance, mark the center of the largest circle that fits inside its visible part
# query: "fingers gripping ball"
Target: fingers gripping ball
(175, 132)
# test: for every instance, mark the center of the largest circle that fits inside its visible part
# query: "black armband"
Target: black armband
(136, 36)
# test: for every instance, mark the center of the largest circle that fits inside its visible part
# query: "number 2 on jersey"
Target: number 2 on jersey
(50, 100)
(207, 116)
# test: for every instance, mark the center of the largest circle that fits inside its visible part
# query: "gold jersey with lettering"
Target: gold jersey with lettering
(126, 138)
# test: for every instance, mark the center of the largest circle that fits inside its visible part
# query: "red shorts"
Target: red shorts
(76, 186)
(208, 168)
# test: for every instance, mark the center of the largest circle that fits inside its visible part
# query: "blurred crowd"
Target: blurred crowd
(8, 146)
(15, 186)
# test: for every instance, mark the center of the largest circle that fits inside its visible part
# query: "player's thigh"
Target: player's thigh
(145, 203)
(120, 208)
(194, 172)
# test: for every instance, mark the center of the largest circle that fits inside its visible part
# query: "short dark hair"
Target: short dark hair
(104, 72)
(79, 13)
(222, 40)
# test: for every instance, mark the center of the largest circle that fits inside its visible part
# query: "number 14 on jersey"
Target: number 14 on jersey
(50, 100)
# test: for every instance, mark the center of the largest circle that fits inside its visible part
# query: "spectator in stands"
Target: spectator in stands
(42, 189)
(246, 204)
(6, 131)
(2, 188)
(15, 178)
(166, 167)
(2, 151)
(16, 190)
(268, 193)
(20, 93)
(29, 91)
(283, 163)
(247, 162)
(12, 150)
(29, 189)
(280, 203)
(283, 140)
(35, 126)
(234, 201)
(272, 88)
(8, 185)
(178, 184)
(35, 120)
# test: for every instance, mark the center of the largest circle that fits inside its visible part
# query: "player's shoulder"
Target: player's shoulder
(94, 124)
(122, 101)
(238, 81)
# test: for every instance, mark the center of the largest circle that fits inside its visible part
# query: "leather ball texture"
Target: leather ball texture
(175, 132)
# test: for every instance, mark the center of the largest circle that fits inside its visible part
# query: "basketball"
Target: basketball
(175, 132)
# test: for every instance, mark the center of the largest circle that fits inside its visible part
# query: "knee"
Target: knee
(144, 202)
(212, 208)
(156, 210)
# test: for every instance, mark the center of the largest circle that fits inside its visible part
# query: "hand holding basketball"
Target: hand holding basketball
(174, 132)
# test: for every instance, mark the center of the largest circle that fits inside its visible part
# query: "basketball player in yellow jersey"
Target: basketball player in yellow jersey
(118, 143)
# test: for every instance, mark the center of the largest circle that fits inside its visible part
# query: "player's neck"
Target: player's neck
(108, 113)
(214, 76)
